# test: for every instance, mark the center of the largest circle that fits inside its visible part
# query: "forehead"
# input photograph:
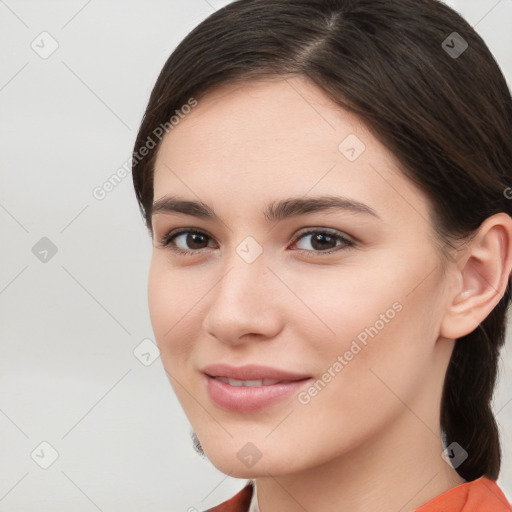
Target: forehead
(274, 138)
(268, 115)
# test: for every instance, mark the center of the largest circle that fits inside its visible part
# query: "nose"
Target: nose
(246, 303)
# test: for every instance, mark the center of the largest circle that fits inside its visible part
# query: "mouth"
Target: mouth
(248, 383)
(251, 372)
(251, 387)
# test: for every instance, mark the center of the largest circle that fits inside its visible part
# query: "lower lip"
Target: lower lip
(251, 398)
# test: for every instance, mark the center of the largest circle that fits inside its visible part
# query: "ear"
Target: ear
(482, 275)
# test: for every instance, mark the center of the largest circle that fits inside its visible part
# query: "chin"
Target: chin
(246, 461)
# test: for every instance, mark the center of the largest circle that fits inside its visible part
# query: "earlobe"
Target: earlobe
(482, 274)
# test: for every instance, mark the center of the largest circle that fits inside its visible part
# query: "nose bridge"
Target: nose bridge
(245, 265)
(245, 279)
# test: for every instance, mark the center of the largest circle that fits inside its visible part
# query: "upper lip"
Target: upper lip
(250, 372)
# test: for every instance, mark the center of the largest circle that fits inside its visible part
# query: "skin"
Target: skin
(370, 440)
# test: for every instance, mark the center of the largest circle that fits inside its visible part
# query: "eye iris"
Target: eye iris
(323, 239)
(192, 239)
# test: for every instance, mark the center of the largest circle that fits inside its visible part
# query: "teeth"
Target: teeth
(249, 383)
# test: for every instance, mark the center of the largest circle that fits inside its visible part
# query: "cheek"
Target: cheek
(378, 362)
(171, 302)
(159, 300)
(388, 291)
(342, 303)
(374, 325)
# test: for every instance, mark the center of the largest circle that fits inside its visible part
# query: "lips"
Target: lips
(251, 387)
(251, 372)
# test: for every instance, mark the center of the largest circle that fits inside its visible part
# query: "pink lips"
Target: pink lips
(280, 385)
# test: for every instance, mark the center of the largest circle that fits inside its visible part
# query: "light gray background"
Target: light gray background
(69, 325)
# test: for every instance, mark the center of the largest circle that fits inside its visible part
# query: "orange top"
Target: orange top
(480, 495)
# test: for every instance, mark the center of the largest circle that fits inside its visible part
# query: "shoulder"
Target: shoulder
(238, 503)
(482, 494)
(487, 495)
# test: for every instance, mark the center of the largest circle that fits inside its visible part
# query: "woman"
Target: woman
(325, 183)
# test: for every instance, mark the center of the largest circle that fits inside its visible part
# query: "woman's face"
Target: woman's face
(349, 298)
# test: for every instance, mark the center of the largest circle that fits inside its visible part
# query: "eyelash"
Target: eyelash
(167, 239)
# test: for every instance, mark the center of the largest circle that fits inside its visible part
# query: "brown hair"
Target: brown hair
(444, 110)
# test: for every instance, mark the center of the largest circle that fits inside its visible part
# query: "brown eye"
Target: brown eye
(323, 241)
(192, 240)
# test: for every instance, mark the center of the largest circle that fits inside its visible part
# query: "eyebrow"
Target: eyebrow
(275, 211)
